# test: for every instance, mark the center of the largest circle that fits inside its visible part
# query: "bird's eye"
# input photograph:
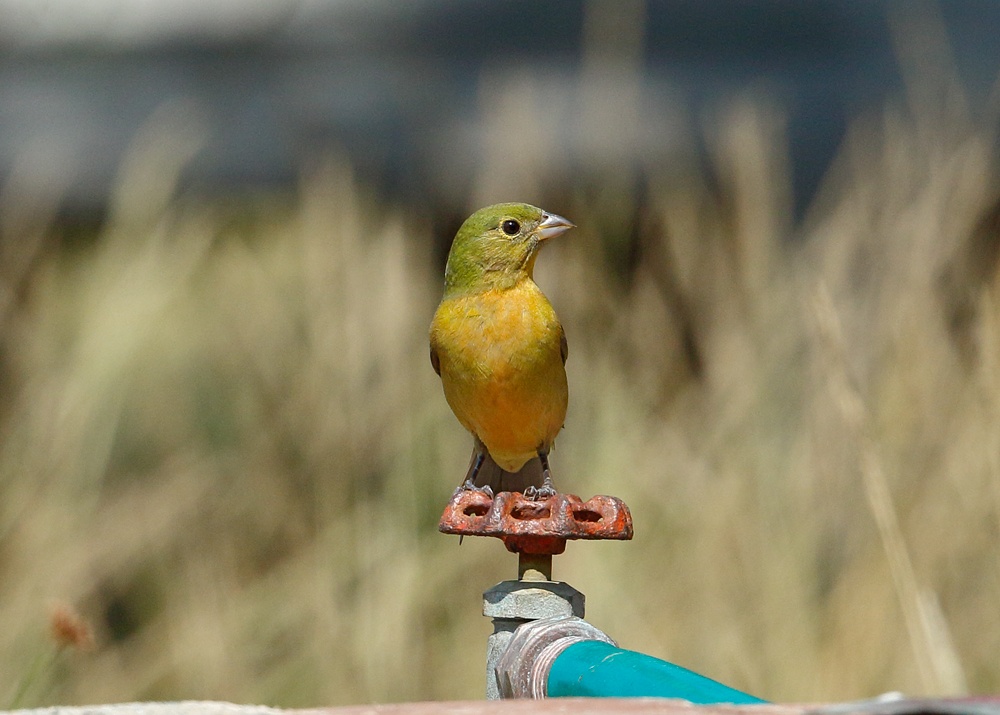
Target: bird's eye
(510, 227)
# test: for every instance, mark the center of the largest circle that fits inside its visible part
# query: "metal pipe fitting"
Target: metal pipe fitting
(523, 669)
(567, 657)
(514, 604)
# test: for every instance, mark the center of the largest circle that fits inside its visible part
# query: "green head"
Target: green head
(497, 245)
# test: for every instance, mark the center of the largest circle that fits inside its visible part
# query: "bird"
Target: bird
(500, 350)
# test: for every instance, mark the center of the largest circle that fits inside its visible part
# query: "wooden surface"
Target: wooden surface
(576, 706)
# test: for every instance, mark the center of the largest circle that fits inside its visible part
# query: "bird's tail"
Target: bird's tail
(500, 480)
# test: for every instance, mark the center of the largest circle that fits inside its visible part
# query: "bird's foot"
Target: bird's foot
(470, 486)
(539, 493)
(545, 491)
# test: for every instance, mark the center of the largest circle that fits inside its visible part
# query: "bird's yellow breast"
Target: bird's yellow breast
(502, 370)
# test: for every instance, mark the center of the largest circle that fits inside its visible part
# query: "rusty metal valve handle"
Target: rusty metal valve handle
(536, 526)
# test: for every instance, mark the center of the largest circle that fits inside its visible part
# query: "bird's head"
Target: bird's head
(496, 246)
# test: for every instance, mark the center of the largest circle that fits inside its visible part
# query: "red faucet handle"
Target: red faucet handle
(536, 526)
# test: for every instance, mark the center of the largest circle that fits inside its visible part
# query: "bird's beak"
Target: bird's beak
(552, 225)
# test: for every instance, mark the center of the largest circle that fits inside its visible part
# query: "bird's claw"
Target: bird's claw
(539, 493)
(545, 491)
(470, 486)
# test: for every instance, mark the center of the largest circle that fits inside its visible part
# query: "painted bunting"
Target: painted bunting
(500, 350)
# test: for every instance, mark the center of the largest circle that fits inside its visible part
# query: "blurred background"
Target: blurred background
(223, 226)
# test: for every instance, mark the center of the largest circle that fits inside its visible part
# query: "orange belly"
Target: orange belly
(502, 369)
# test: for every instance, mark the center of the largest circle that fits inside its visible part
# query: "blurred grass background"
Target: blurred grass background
(222, 443)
